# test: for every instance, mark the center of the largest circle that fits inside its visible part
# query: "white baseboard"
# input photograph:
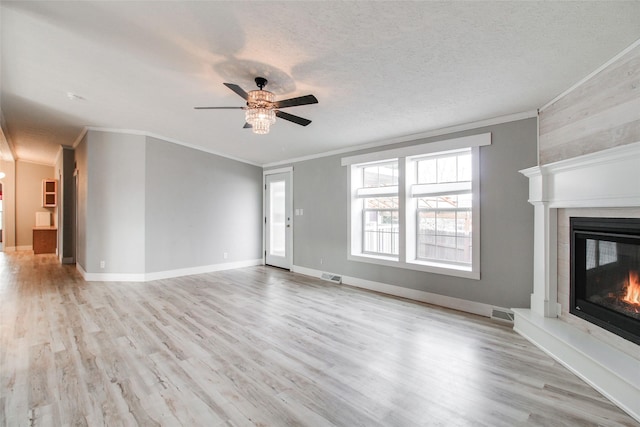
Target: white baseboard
(610, 371)
(9, 249)
(146, 277)
(201, 270)
(109, 277)
(473, 307)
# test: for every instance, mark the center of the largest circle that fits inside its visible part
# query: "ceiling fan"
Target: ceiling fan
(262, 108)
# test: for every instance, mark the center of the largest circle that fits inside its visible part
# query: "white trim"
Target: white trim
(449, 270)
(607, 178)
(459, 304)
(288, 170)
(613, 373)
(78, 139)
(444, 145)
(24, 248)
(276, 171)
(413, 137)
(202, 270)
(171, 140)
(406, 256)
(592, 75)
(9, 249)
(168, 274)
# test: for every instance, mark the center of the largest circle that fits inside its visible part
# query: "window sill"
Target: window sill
(456, 271)
(375, 259)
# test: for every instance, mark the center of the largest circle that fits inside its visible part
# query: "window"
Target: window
(442, 202)
(379, 195)
(417, 207)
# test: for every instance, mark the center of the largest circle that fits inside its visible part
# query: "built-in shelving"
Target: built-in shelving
(49, 193)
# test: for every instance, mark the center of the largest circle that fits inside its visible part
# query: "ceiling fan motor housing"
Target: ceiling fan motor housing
(261, 82)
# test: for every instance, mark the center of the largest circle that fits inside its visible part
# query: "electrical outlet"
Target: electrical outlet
(320, 261)
(225, 255)
(102, 264)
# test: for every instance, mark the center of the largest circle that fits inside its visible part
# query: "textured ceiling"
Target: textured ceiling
(380, 70)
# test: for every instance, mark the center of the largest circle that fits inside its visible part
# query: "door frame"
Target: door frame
(289, 170)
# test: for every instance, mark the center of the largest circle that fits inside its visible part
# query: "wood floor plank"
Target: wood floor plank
(264, 347)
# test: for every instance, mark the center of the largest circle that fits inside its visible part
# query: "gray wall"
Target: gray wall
(115, 203)
(199, 206)
(29, 178)
(146, 205)
(320, 188)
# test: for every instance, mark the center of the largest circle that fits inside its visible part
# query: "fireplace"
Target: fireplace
(605, 274)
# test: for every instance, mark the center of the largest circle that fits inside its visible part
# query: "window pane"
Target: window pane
(447, 202)
(447, 169)
(381, 232)
(463, 222)
(427, 171)
(464, 249)
(444, 235)
(381, 203)
(446, 222)
(427, 222)
(465, 201)
(370, 177)
(277, 213)
(427, 202)
(383, 175)
(464, 167)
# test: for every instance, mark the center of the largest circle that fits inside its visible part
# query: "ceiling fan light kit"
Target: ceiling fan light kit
(262, 108)
(260, 113)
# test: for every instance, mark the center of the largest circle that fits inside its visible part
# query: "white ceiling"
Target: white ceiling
(380, 70)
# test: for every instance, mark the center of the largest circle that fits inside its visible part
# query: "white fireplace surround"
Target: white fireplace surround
(606, 179)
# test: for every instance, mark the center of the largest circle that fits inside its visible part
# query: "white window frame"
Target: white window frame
(360, 194)
(407, 227)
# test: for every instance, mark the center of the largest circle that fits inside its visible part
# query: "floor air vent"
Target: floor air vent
(504, 315)
(332, 277)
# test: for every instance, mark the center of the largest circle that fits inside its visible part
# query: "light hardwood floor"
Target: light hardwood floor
(261, 346)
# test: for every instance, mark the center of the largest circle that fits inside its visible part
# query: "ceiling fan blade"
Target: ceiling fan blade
(247, 126)
(295, 119)
(219, 108)
(237, 89)
(292, 102)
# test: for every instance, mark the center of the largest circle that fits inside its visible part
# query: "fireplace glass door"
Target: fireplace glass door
(605, 273)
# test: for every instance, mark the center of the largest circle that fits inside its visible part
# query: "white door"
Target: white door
(278, 211)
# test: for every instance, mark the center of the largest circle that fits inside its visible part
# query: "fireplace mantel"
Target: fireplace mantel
(605, 179)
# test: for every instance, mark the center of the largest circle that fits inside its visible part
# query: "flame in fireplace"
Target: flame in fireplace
(633, 288)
